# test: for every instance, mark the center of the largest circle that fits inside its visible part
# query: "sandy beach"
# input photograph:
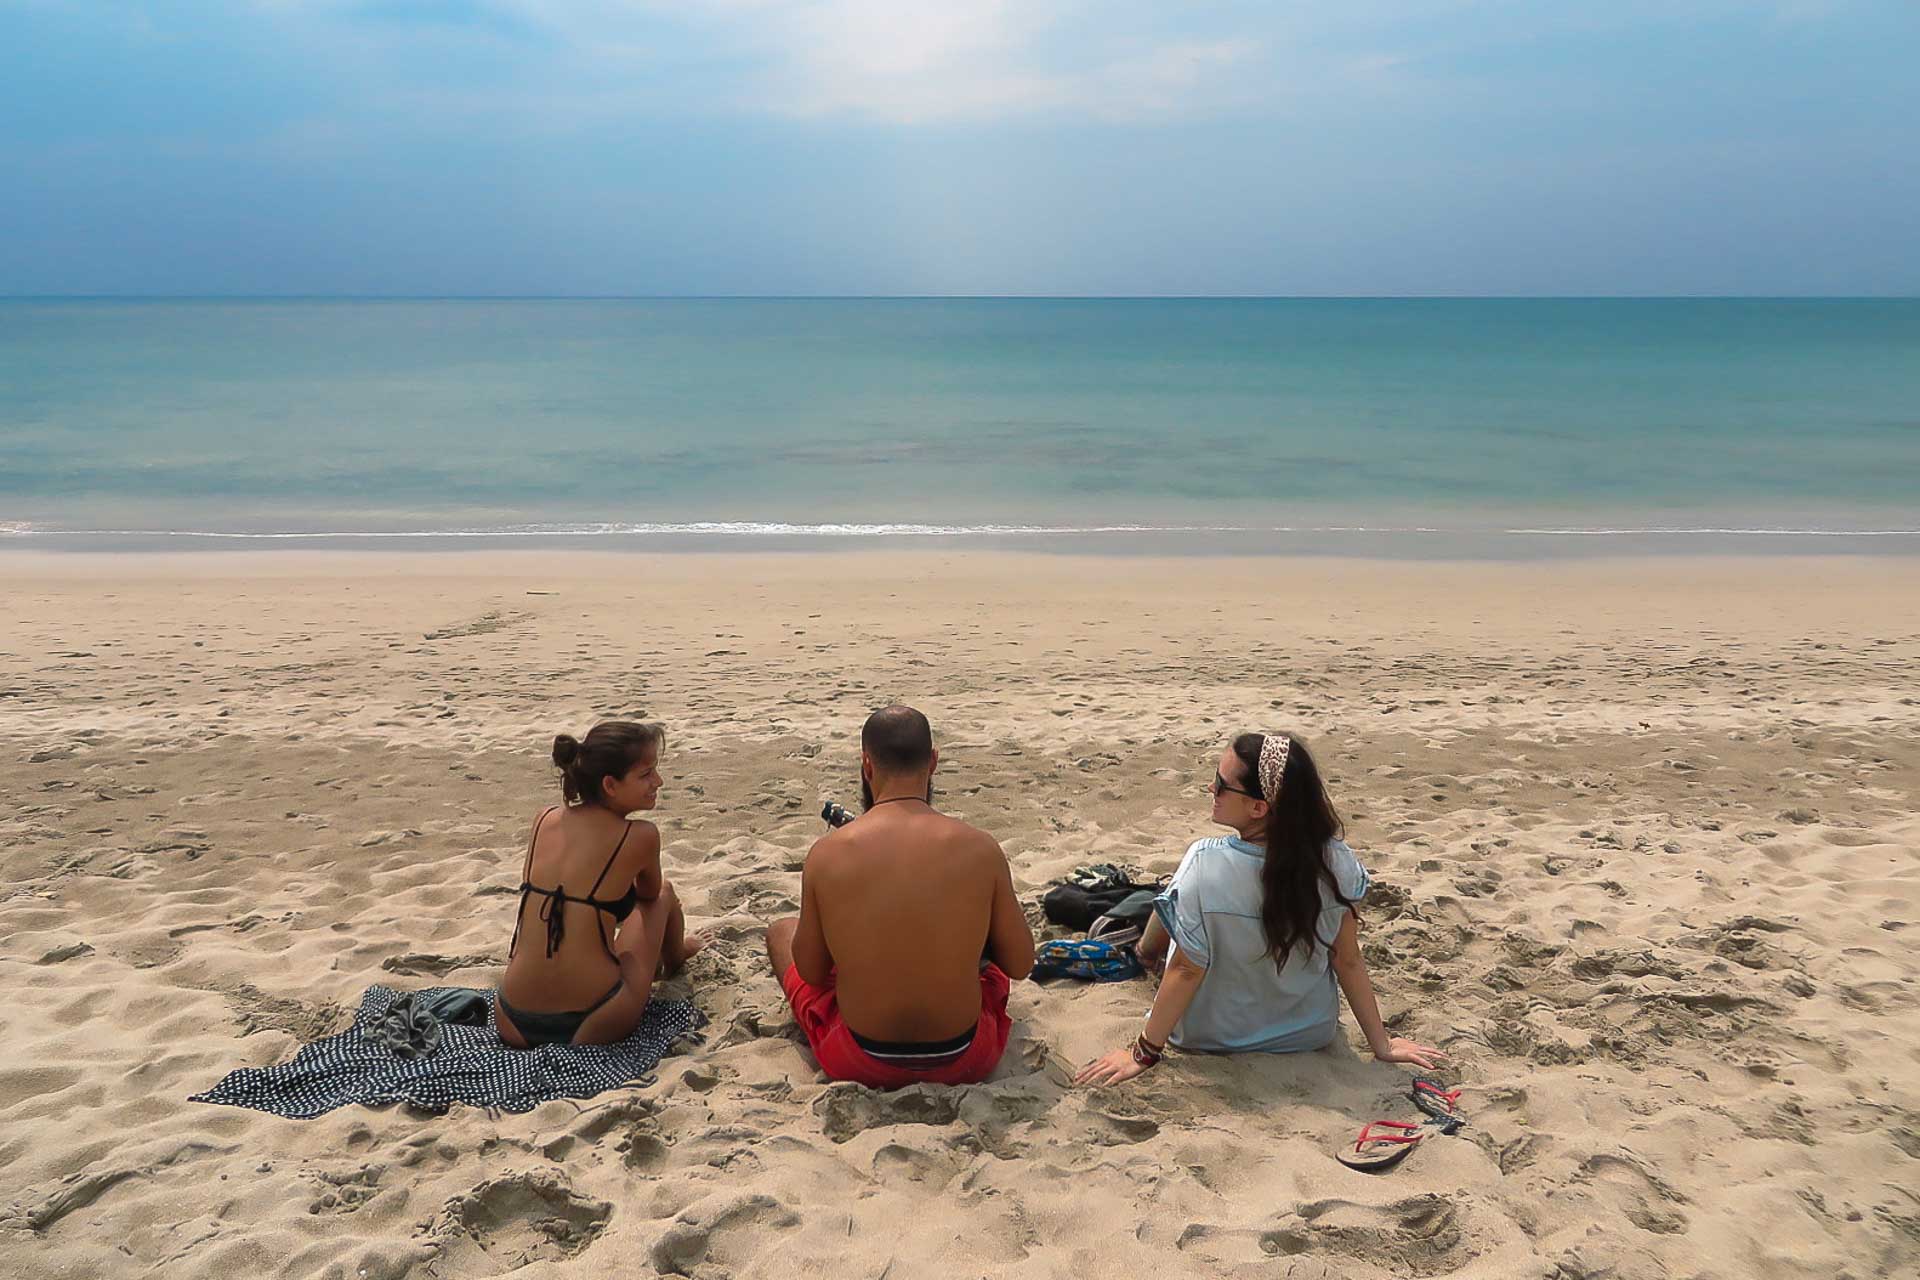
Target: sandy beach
(1643, 832)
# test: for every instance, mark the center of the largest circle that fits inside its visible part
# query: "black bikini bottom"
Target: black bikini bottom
(916, 1055)
(552, 1028)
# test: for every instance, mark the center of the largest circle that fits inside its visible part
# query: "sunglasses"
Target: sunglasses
(1221, 784)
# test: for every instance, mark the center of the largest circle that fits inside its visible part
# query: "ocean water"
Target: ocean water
(1397, 426)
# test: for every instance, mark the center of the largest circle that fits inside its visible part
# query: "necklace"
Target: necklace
(890, 799)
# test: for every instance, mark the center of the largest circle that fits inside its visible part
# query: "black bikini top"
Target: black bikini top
(554, 913)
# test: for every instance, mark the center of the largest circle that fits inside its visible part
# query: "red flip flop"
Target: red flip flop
(1440, 1103)
(1374, 1152)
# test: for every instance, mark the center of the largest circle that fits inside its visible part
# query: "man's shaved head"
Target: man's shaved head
(898, 740)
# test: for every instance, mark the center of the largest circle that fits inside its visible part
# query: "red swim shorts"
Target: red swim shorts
(817, 1010)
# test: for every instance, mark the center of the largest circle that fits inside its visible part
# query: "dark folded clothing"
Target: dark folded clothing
(1104, 902)
(411, 1025)
(408, 1028)
(389, 1055)
(1076, 908)
(463, 1006)
(1076, 905)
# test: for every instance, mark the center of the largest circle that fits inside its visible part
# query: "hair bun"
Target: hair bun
(566, 749)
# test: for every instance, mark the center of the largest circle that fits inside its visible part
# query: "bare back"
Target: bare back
(572, 848)
(905, 904)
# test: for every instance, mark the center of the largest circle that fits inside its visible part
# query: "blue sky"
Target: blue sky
(959, 147)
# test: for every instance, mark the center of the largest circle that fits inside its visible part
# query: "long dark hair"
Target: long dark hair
(1301, 822)
(612, 747)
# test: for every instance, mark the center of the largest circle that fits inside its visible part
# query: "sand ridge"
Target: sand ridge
(1643, 832)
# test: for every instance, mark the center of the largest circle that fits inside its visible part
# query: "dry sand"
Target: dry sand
(1643, 833)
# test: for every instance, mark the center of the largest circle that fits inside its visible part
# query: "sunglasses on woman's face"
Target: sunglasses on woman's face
(1220, 784)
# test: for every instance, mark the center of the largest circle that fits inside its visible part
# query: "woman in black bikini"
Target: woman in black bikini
(599, 919)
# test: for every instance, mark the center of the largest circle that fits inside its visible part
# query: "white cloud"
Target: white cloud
(933, 61)
(915, 61)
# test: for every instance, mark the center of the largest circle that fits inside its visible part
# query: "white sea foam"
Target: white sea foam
(747, 529)
(711, 528)
(1665, 531)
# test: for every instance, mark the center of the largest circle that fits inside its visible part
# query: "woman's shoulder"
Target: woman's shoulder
(1206, 848)
(1203, 856)
(1348, 871)
(642, 836)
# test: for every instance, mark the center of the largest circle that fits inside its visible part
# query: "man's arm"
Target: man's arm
(810, 954)
(1009, 940)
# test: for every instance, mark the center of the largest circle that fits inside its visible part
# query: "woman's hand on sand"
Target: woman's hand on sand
(1419, 1055)
(1112, 1069)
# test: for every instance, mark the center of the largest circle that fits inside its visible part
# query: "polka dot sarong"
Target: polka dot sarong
(471, 1066)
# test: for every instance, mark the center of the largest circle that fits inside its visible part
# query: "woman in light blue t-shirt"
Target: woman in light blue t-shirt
(1256, 928)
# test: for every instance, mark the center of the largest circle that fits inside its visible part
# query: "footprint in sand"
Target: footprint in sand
(773, 1023)
(1417, 1236)
(1234, 1248)
(633, 1123)
(712, 1236)
(346, 1192)
(896, 1164)
(846, 1110)
(763, 895)
(1637, 1193)
(1110, 1129)
(516, 1220)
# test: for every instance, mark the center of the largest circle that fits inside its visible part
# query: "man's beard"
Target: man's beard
(866, 793)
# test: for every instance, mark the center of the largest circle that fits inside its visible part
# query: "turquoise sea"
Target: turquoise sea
(1405, 427)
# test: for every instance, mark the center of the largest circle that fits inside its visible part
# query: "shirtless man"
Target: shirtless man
(908, 929)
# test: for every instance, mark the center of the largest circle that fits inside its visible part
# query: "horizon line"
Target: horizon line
(959, 297)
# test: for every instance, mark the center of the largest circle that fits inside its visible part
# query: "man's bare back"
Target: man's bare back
(900, 908)
(885, 967)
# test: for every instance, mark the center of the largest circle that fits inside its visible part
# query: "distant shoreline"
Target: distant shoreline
(959, 297)
(1538, 542)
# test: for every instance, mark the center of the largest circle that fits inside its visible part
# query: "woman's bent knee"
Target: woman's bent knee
(645, 930)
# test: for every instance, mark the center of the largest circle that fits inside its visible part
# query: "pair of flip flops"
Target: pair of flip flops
(1385, 1143)
(1089, 961)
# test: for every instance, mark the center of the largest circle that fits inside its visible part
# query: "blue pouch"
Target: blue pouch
(1087, 961)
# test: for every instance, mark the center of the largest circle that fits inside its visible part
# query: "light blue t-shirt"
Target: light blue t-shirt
(1246, 1003)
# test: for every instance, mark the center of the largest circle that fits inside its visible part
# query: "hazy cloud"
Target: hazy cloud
(957, 146)
(899, 61)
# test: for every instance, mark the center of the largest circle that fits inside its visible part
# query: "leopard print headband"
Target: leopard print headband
(1273, 763)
